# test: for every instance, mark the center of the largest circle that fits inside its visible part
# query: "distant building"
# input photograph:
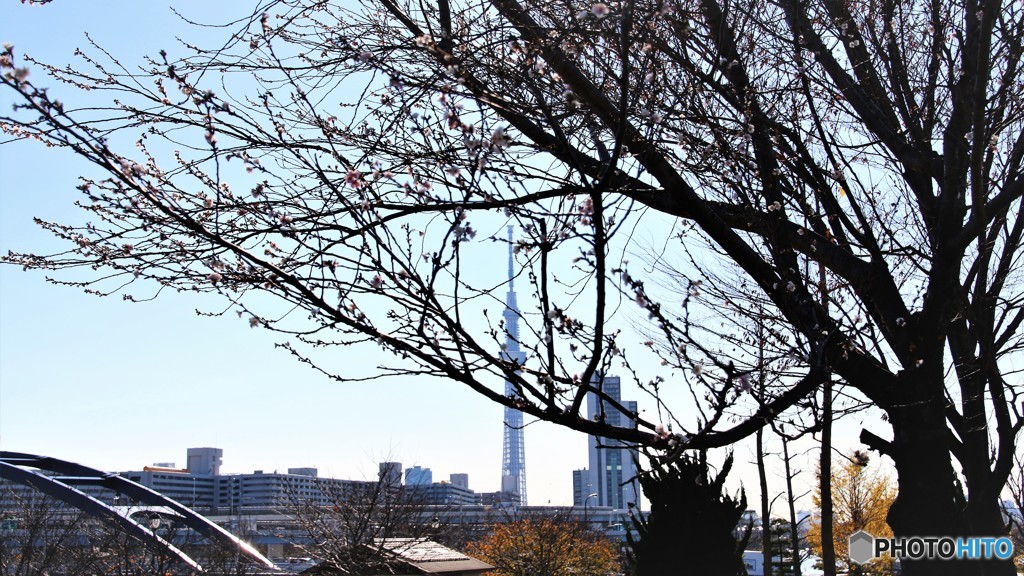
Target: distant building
(193, 490)
(390, 473)
(417, 476)
(212, 492)
(269, 491)
(1012, 513)
(581, 487)
(804, 519)
(750, 518)
(612, 467)
(500, 499)
(445, 494)
(204, 461)
(460, 480)
(753, 561)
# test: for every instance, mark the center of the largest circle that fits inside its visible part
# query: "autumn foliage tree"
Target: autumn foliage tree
(546, 546)
(861, 496)
(849, 172)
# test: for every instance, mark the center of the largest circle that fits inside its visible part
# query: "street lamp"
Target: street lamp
(154, 524)
(585, 501)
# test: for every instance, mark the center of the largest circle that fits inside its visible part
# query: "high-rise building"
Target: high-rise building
(417, 476)
(612, 469)
(390, 473)
(513, 458)
(204, 461)
(581, 487)
(460, 480)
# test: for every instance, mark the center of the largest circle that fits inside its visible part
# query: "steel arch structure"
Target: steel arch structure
(25, 469)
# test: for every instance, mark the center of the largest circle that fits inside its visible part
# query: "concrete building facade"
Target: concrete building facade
(612, 470)
(204, 461)
(417, 476)
(461, 480)
(581, 486)
(215, 493)
(445, 494)
(390, 473)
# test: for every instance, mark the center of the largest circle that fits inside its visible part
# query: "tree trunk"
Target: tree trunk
(766, 540)
(828, 548)
(794, 531)
(930, 501)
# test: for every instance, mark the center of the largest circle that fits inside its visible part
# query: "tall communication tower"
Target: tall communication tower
(513, 459)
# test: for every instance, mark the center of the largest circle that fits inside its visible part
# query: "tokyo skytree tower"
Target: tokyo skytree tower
(513, 459)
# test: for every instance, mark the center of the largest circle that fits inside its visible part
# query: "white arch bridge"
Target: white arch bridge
(63, 483)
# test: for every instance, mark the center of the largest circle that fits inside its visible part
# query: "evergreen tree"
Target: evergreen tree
(782, 548)
(690, 529)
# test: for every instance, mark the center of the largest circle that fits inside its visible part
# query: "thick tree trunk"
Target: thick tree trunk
(930, 501)
(828, 545)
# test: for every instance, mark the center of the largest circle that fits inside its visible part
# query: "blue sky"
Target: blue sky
(118, 386)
